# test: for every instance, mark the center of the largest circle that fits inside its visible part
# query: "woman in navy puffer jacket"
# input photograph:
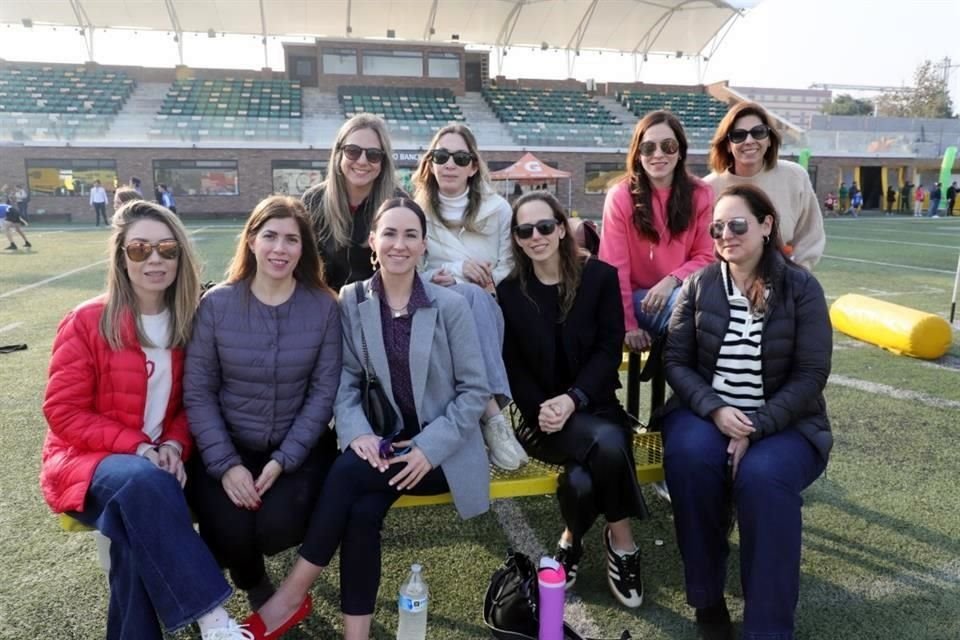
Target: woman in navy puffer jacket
(262, 372)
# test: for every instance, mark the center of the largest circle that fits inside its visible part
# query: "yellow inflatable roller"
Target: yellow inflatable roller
(899, 329)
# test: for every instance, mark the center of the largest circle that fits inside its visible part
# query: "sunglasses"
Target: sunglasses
(353, 152)
(543, 227)
(759, 132)
(138, 251)
(460, 158)
(737, 226)
(668, 146)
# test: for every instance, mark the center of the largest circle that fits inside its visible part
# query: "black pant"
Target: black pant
(349, 515)
(599, 475)
(240, 538)
(100, 210)
(950, 203)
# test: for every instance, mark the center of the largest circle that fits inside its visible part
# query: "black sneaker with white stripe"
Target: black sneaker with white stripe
(569, 557)
(623, 574)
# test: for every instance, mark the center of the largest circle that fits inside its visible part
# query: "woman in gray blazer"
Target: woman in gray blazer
(422, 345)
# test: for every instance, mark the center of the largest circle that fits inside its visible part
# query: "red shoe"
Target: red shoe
(255, 624)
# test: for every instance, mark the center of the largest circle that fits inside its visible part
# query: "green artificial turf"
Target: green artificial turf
(882, 529)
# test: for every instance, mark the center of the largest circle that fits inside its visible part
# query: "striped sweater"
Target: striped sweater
(737, 378)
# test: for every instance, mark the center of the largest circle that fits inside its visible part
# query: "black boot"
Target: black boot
(713, 623)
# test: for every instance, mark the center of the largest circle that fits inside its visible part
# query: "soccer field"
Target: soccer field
(882, 529)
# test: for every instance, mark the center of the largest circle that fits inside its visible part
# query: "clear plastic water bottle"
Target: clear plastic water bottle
(412, 606)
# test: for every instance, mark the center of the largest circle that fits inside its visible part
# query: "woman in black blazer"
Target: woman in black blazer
(562, 349)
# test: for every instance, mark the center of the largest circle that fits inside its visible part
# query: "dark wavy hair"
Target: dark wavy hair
(680, 203)
(761, 207)
(572, 257)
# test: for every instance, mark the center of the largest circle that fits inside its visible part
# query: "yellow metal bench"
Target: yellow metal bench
(537, 478)
(533, 479)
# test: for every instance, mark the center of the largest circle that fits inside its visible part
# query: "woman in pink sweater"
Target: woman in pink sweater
(655, 226)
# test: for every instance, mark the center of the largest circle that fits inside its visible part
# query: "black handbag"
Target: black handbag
(510, 604)
(373, 399)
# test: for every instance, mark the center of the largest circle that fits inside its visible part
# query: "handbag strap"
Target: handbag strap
(361, 297)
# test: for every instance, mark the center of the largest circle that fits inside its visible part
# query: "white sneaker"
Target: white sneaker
(232, 631)
(501, 442)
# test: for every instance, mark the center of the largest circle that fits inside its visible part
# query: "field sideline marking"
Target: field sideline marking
(911, 244)
(9, 327)
(52, 279)
(523, 538)
(891, 264)
(66, 274)
(893, 392)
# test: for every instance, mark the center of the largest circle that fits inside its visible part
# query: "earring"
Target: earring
(766, 239)
(374, 260)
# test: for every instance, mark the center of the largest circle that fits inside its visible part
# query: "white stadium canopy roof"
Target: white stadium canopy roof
(635, 26)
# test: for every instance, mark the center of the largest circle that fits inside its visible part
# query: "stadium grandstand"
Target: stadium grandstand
(224, 138)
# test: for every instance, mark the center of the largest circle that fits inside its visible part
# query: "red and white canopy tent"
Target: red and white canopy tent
(529, 170)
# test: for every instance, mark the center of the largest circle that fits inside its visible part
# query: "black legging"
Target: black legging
(350, 514)
(240, 538)
(599, 474)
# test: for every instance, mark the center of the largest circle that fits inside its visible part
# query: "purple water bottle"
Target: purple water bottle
(552, 581)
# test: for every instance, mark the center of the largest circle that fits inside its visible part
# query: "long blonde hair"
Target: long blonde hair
(180, 298)
(331, 215)
(427, 192)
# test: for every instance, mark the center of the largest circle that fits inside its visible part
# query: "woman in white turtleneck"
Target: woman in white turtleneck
(468, 224)
(469, 249)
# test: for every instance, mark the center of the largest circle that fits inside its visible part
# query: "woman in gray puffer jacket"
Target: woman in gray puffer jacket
(747, 355)
(261, 376)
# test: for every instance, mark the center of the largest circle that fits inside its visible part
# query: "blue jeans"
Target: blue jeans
(159, 567)
(934, 205)
(766, 492)
(654, 324)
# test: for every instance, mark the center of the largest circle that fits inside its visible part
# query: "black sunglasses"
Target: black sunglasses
(353, 152)
(738, 226)
(543, 227)
(460, 158)
(759, 132)
(138, 251)
(668, 146)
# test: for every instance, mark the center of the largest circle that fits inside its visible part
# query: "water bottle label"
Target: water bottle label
(413, 604)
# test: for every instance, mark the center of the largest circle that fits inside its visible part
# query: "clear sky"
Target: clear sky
(777, 43)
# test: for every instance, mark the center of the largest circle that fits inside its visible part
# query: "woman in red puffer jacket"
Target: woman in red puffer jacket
(117, 437)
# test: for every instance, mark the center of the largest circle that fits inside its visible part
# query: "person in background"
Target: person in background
(99, 200)
(21, 196)
(655, 227)
(891, 199)
(166, 197)
(843, 193)
(261, 375)
(563, 347)
(420, 341)
(905, 192)
(124, 195)
(10, 221)
(856, 200)
(951, 197)
(744, 151)
(918, 197)
(468, 231)
(135, 183)
(935, 196)
(748, 356)
(360, 176)
(117, 436)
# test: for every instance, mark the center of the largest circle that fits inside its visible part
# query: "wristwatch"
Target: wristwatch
(580, 399)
